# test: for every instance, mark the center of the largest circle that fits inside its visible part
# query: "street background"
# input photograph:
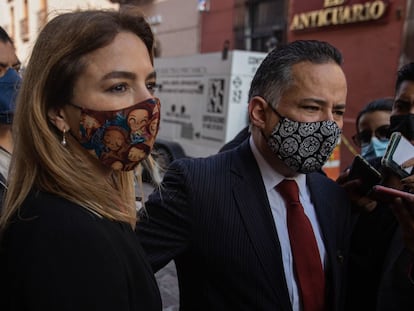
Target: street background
(166, 277)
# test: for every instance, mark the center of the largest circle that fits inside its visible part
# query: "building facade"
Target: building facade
(22, 19)
(376, 37)
(175, 23)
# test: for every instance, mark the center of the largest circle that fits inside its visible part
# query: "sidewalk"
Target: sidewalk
(167, 282)
(166, 277)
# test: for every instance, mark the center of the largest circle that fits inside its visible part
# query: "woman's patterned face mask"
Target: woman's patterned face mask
(121, 139)
(303, 146)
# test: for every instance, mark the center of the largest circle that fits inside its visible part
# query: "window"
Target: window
(260, 24)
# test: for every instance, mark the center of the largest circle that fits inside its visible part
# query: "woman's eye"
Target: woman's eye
(122, 87)
(152, 87)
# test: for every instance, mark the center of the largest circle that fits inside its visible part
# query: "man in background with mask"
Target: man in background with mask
(381, 276)
(233, 222)
(402, 120)
(9, 84)
(402, 117)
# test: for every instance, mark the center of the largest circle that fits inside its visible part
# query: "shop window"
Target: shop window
(260, 24)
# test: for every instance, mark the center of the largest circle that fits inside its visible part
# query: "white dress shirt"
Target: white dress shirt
(271, 178)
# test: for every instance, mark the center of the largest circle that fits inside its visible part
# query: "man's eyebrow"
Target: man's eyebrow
(321, 102)
(119, 74)
(18, 63)
(318, 101)
(339, 106)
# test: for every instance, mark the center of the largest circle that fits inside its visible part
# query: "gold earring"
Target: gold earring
(63, 142)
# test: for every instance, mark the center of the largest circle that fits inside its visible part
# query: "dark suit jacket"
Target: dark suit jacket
(212, 216)
(56, 255)
(396, 290)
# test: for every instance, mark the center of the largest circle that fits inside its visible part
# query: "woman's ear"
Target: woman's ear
(257, 112)
(58, 117)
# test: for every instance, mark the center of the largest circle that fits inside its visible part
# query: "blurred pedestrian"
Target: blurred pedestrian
(67, 228)
(9, 84)
(233, 222)
(402, 120)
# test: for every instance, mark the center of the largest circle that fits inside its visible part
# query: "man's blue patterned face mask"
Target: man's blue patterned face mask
(9, 86)
(121, 139)
(303, 146)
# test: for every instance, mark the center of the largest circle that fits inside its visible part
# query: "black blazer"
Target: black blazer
(396, 290)
(212, 216)
(56, 255)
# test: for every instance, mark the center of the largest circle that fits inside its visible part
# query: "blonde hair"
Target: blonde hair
(39, 161)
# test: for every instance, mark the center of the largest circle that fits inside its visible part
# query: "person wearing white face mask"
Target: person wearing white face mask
(372, 125)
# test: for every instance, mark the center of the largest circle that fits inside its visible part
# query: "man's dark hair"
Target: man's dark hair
(274, 74)
(406, 73)
(4, 37)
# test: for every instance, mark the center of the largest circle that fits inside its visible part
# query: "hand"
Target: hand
(352, 187)
(408, 163)
(343, 177)
(408, 182)
(404, 212)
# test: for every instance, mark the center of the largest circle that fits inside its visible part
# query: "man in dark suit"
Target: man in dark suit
(223, 219)
(237, 140)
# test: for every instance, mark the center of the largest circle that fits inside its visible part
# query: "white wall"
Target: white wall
(176, 25)
(175, 22)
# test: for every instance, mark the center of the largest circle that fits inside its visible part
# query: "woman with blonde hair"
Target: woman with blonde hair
(67, 226)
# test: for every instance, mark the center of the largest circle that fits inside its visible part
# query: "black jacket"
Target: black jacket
(212, 216)
(58, 256)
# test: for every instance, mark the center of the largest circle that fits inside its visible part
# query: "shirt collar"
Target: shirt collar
(271, 178)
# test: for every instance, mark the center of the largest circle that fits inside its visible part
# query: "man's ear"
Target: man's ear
(58, 117)
(257, 111)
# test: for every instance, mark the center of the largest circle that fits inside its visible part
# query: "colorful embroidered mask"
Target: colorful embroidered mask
(121, 139)
(303, 146)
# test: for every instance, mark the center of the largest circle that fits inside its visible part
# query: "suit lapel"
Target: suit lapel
(325, 211)
(251, 198)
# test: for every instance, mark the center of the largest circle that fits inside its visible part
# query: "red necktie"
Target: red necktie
(306, 258)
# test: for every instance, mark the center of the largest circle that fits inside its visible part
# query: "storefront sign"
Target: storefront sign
(335, 13)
